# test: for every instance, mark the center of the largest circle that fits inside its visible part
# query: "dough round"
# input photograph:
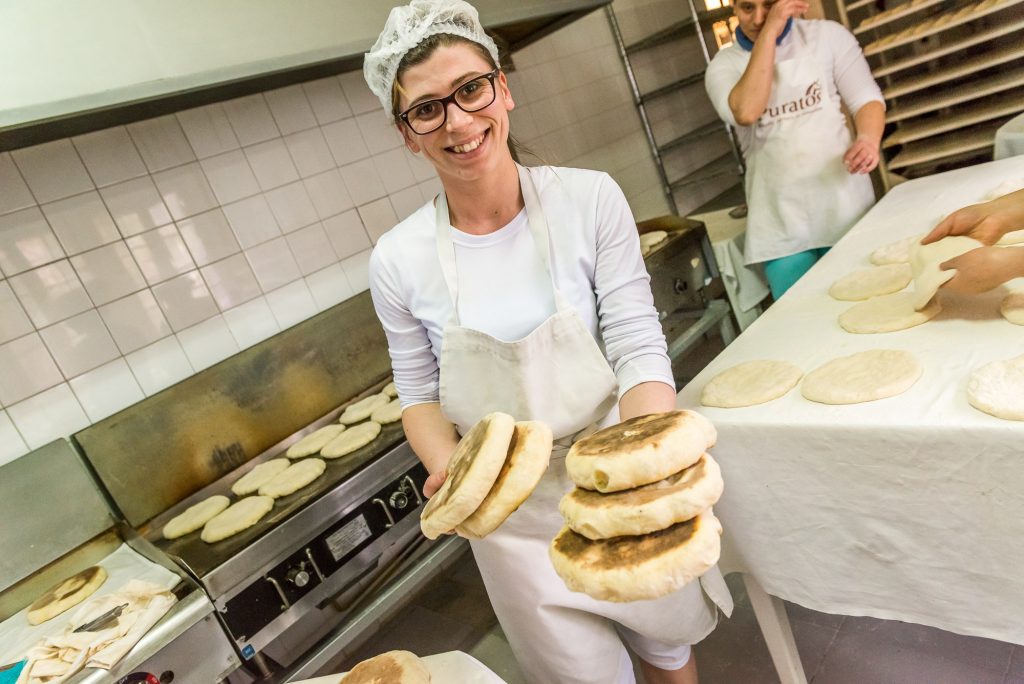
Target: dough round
(472, 471)
(390, 390)
(240, 516)
(864, 376)
(294, 478)
(638, 568)
(645, 509)
(362, 409)
(66, 594)
(259, 476)
(925, 261)
(888, 313)
(639, 451)
(1012, 307)
(195, 516)
(750, 383)
(895, 252)
(393, 667)
(871, 282)
(350, 440)
(390, 412)
(525, 463)
(997, 388)
(649, 240)
(314, 441)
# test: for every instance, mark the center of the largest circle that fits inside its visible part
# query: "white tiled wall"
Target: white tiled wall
(133, 257)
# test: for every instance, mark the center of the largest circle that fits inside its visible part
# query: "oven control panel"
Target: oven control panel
(252, 609)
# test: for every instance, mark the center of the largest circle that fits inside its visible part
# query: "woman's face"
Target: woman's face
(468, 145)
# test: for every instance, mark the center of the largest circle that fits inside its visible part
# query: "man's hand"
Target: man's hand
(984, 269)
(986, 222)
(779, 14)
(862, 157)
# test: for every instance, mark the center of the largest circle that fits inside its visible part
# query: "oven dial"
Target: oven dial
(399, 499)
(298, 576)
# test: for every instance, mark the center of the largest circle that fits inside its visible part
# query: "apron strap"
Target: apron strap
(538, 231)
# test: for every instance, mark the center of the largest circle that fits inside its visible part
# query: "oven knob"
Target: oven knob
(399, 499)
(298, 576)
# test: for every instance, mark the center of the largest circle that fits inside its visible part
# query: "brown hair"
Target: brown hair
(422, 52)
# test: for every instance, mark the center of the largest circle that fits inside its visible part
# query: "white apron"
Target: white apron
(557, 374)
(799, 193)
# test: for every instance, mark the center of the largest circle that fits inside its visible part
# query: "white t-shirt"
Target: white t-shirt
(839, 54)
(505, 291)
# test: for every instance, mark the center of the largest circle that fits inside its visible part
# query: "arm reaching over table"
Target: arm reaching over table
(984, 269)
(986, 222)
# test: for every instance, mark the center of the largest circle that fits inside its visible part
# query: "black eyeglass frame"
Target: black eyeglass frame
(445, 101)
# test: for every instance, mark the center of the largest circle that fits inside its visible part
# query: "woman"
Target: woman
(781, 85)
(520, 290)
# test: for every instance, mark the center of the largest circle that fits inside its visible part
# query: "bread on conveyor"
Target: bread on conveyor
(194, 517)
(66, 594)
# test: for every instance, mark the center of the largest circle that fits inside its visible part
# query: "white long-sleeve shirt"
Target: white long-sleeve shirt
(504, 289)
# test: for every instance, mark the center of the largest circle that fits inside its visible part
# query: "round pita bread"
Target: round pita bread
(362, 409)
(1012, 307)
(195, 516)
(639, 451)
(259, 476)
(864, 376)
(66, 594)
(350, 440)
(294, 478)
(528, 456)
(645, 509)
(888, 313)
(997, 388)
(895, 252)
(926, 259)
(393, 667)
(871, 282)
(314, 441)
(750, 383)
(638, 568)
(240, 516)
(472, 471)
(390, 412)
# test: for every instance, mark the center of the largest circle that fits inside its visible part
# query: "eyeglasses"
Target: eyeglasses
(427, 117)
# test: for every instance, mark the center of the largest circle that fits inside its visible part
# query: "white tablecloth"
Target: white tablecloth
(911, 507)
(454, 667)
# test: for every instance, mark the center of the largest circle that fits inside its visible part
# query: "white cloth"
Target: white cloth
(1009, 138)
(799, 193)
(557, 374)
(908, 508)
(596, 263)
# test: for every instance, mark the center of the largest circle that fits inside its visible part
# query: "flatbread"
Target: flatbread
(393, 667)
(294, 478)
(390, 390)
(390, 412)
(362, 409)
(638, 568)
(887, 313)
(66, 594)
(527, 459)
(750, 383)
(314, 441)
(997, 388)
(649, 240)
(239, 516)
(259, 476)
(871, 282)
(195, 516)
(639, 451)
(350, 440)
(472, 472)
(926, 259)
(895, 252)
(864, 376)
(1012, 307)
(645, 509)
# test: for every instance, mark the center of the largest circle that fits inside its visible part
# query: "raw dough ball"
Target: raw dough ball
(294, 478)
(896, 252)
(888, 313)
(750, 383)
(194, 517)
(997, 388)
(354, 438)
(871, 282)
(925, 261)
(865, 376)
(1012, 307)
(239, 516)
(259, 476)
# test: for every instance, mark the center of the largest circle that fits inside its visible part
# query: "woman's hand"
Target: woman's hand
(779, 14)
(985, 222)
(984, 269)
(434, 483)
(862, 157)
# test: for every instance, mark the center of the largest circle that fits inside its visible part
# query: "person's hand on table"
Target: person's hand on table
(434, 483)
(984, 269)
(779, 14)
(862, 157)
(986, 222)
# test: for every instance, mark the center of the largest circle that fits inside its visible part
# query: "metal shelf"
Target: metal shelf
(673, 87)
(696, 134)
(973, 91)
(938, 24)
(720, 166)
(986, 110)
(949, 145)
(948, 48)
(667, 35)
(899, 12)
(967, 67)
(858, 4)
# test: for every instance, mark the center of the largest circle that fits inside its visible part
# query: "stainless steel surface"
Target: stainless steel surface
(717, 314)
(41, 525)
(161, 450)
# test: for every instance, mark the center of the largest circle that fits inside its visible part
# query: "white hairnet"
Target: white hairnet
(407, 27)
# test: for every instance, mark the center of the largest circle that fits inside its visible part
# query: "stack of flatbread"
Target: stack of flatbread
(639, 523)
(495, 467)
